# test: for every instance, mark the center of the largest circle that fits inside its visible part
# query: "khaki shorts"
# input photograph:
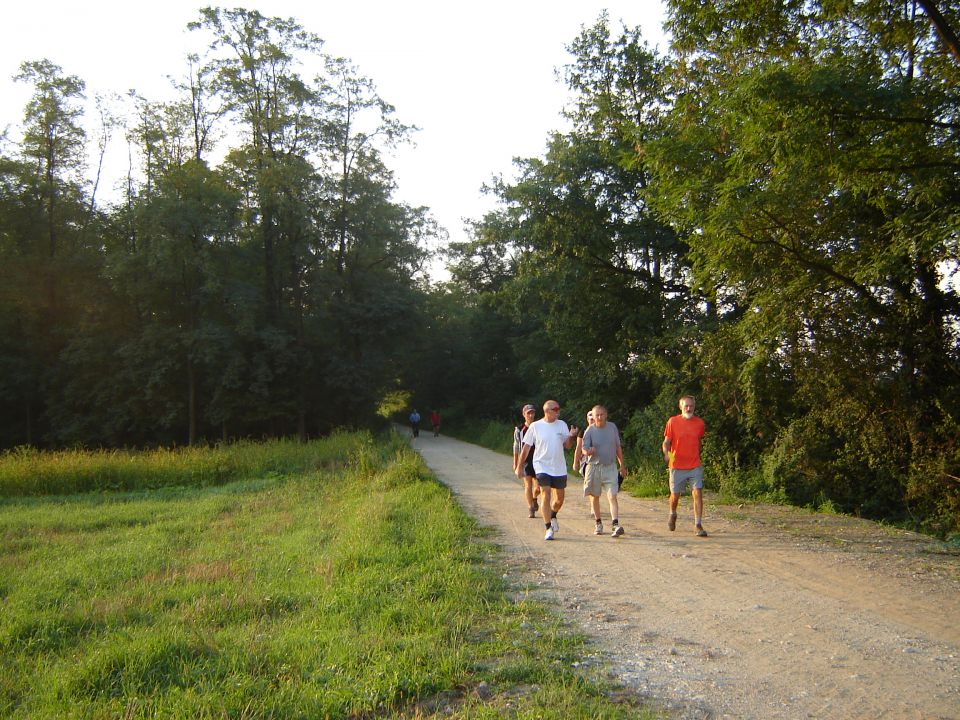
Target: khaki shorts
(599, 479)
(679, 479)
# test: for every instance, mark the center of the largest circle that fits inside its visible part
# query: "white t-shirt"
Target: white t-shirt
(547, 439)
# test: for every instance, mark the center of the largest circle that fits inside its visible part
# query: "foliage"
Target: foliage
(264, 296)
(765, 218)
(763, 215)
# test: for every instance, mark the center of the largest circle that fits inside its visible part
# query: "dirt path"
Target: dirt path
(778, 614)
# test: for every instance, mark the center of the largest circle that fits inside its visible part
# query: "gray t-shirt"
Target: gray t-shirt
(605, 440)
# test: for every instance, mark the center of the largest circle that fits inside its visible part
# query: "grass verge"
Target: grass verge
(351, 586)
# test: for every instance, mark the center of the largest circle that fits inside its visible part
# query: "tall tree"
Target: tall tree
(594, 268)
(811, 155)
(49, 259)
(319, 206)
(53, 138)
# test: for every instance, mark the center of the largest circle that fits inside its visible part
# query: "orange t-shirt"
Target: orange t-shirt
(685, 438)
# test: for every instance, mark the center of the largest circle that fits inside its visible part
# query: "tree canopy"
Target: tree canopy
(265, 295)
(764, 214)
(765, 217)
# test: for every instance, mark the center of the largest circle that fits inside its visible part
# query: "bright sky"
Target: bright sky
(477, 78)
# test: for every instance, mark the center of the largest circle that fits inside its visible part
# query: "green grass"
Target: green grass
(27, 471)
(335, 580)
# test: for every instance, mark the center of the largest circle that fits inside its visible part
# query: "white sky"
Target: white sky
(477, 78)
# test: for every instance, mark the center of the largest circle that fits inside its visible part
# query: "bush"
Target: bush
(933, 483)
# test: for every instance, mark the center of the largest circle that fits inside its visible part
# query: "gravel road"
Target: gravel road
(780, 613)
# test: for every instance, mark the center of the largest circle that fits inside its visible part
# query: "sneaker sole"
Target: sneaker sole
(617, 533)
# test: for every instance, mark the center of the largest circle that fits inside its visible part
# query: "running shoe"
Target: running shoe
(599, 528)
(549, 535)
(554, 525)
(617, 531)
(672, 523)
(700, 531)
(533, 512)
(536, 505)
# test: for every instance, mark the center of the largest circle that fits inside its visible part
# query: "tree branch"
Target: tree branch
(824, 268)
(947, 33)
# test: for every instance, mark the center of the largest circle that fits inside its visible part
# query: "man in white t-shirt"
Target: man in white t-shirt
(548, 437)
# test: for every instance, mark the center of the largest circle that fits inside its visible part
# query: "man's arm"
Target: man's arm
(666, 449)
(588, 447)
(518, 467)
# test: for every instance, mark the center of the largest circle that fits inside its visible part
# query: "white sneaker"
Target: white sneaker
(554, 525)
(599, 528)
(617, 531)
(549, 535)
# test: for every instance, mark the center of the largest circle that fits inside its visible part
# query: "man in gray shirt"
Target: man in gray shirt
(601, 446)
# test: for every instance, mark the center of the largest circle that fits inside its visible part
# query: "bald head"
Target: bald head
(599, 415)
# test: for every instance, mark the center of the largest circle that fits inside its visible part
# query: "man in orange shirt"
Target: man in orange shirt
(681, 450)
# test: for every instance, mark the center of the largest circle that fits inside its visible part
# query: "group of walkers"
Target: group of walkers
(415, 423)
(539, 461)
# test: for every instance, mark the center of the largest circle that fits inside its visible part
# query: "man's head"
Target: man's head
(551, 411)
(529, 413)
(599, 415)
(688, 403)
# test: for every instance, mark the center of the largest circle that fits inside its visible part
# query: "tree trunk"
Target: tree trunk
(29, 419)
(947, 33)
(191, 401)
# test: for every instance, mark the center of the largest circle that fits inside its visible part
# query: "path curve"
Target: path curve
(752, 622)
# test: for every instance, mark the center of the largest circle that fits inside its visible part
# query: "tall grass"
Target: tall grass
(27, 471)
(351, 586)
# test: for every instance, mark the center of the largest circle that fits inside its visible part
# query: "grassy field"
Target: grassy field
(334, 579)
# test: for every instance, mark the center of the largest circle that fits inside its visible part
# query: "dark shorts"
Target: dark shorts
(554, 481)
(528, 470)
